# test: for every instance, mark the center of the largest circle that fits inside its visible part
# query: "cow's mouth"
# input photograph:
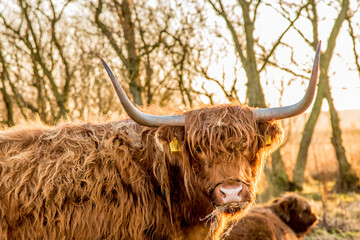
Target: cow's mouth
(232, 208)
(224, 217)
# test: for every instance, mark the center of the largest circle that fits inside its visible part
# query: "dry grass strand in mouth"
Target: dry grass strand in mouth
(224, 218)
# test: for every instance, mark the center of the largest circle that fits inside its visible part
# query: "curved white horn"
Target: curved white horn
(135, 114)
(297, 108)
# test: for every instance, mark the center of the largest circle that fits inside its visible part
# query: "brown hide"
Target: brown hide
(120, 180)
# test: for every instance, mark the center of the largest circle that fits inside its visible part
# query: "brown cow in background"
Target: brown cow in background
(154, 178)
(286, 218)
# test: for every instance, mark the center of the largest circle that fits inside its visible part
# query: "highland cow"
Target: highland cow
(286, 218)
(152, 177)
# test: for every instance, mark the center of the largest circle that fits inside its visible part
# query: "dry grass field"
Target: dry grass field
(339, 214)
(321, 156)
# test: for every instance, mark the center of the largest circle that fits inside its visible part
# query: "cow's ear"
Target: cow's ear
(276, 200)
(284, 208)
(271, 133)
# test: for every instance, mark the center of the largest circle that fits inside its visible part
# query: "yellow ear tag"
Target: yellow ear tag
(174, 147)
(268, 140)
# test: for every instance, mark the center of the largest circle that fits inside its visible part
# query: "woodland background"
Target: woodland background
(183, 54)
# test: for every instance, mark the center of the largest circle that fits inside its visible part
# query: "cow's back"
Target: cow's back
(76, 181)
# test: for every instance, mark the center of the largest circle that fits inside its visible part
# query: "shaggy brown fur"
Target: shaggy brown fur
(121, 181)
(287, 218)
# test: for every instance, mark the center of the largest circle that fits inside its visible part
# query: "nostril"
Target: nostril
(240, 189)
(222, 193)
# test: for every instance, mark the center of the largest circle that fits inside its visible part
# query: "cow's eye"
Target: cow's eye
(198, 149)
(230, 149)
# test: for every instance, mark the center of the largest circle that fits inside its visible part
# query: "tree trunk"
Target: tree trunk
(132, 60)
(8, 105)
(348, 179)
(5, 95)
(298, 176)
(128, 27)
(278, 177)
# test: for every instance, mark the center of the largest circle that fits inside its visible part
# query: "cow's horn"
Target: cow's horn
(135, 114)
(297, 108)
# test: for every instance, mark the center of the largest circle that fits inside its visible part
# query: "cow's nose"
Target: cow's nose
(228, 193)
